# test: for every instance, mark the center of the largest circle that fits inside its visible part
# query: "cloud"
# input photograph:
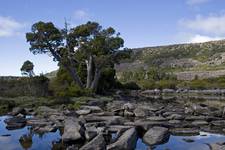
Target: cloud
(212, 24)
(196, 2)
(81, 14)
(202, 38)
(9, 27)
(187, 37)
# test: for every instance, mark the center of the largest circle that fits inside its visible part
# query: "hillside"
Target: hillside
(186, 61)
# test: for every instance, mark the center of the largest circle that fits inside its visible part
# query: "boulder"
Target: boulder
(128, 113)
(175, 117)
(142, 112)
(45, 129)
(38, 122)
(184, 131)
(199, 122)
(15, 123)
(110, 120)
(18, 110)
(147, 124)
(156, 118)
(168, 91)
(118, 128)
(127, 141)
(83, 112)
(98, 143)
(218, 123)
(46, 111)
(175, 122)
(192, 118)
(217, 146)
(99, 103)
(128, 106)
(73, 130)
(90, 133)
(200, 109)
(94, 109)
(156, 135)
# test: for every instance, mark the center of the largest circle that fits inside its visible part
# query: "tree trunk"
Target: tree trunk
(89, 64)
(70, 69)
(94, 85)
(74, 75)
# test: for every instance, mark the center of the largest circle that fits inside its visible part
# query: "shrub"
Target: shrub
(131, 86)
(147, 84)
(166, 84)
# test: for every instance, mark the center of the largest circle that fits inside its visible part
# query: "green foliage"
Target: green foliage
(63, 85)
(166, 84)
(131, 86)
(27, 68)
(97, 48)
(161, 84)
(152, 74)
(23, 86)
(43, 36)
(107, 80)
(199, 84)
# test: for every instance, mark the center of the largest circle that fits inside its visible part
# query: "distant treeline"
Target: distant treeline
(24, 86)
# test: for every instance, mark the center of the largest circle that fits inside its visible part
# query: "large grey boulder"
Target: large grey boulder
(217, 146)
(73, 130)
(18, 110)
(127, 141)
(91, 132)
(98, 143)
(110, 120)
(156, 135)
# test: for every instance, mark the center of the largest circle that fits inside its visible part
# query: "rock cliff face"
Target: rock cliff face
(204, 60)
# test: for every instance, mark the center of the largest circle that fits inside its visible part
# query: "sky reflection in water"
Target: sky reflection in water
(34, 141)
(29, 141)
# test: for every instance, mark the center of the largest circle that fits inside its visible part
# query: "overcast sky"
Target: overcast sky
(140, 22)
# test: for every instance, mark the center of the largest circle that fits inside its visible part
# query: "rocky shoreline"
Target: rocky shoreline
(117, 124)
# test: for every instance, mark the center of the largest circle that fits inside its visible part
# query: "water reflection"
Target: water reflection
(26, 139)
(200, 142)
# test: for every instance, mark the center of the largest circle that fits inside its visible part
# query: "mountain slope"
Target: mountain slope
(186, 61)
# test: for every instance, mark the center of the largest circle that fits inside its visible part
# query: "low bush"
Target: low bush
(131, 86)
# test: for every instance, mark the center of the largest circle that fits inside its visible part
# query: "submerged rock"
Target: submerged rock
(127, 141)
(156, 135)
(184, 131)
(15, 123)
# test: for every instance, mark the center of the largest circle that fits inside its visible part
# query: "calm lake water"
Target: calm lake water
(24, 139)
